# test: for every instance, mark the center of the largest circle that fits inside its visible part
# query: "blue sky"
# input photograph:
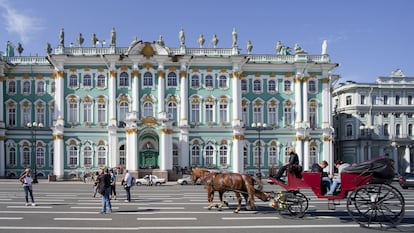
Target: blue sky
(368, 38)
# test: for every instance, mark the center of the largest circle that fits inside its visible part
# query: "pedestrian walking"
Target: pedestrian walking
(127, 183)
(113, 185)
(104, 183)
(95, 183)
(27, 181)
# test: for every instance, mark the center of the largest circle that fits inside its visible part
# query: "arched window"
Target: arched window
(73, 81)
(124, 79)
(87, 156)
(12, 157)
(87, 81)
(273, 161)
(244, 85)
(12, 88)
(26, 87)
(223, 155)
(287, 86)
(148, 109)
(209, 156)
(312, 86)
(26, 157)
(101, 81)
(313, 154)
(172, 79)
(123, 109)
(209, 82)
(271, 86)
(101, 156)
(195, 81)
(195, 155)
(172, 111)
(257, 85)
(73, 156)
(40, 156)
(122, 155)
(40, 89)
(148, 80)
(223, 81)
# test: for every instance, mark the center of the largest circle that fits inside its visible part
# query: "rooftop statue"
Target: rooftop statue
(214, 41)
(299, 50)
(324, 47)
(62, 38)
(19, 48)
(234, 33)
(94, 40)
(282, 49)
(9, 49)
(201, 40)
(113, 37)
(48, 48)
(182, 38)
(80, 39)
(249, 47)
(160, 41)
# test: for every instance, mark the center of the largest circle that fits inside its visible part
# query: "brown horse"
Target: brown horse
(240, 184)
(201, 173)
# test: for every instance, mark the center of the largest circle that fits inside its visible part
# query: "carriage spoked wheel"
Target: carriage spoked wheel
(296, 203)
(376, 205)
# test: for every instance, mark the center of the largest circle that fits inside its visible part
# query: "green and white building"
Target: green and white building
(153, 107)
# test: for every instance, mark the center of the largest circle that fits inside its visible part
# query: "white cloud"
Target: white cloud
(22, 24)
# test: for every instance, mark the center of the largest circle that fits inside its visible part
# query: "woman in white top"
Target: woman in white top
(27, 180)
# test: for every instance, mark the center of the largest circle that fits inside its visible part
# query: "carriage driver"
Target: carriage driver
(293, 162)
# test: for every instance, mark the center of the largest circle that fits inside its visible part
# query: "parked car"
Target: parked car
(187, 180)
(150, 180)
(407, 180)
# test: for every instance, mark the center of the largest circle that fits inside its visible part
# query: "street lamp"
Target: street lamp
(34, 126)
(259, 127)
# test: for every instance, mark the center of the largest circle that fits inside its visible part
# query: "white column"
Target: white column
(1, 101)
(298, 101)
(161, 91)
(166, 149)
(299, 150)
(326, 99)
(58, 128)
(135, 90)
(306, 155)
(113, 146)
(407, 159)
(237, 99)
(112, 97)
(238, 163)
(183, 121)
(131, 149)
(184, 148)
(305, 102)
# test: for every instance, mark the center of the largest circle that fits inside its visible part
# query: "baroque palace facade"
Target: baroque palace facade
(149, 106)
(376, 119)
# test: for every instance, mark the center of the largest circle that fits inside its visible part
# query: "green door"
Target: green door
(149, 159)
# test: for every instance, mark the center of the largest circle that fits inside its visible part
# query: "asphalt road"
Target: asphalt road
(70, 207)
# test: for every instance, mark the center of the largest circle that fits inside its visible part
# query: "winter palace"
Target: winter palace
(150, 107)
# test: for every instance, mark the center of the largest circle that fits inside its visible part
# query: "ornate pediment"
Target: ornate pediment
(147, 49)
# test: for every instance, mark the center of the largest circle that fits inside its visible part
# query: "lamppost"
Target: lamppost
(259, 127)
(34, 126)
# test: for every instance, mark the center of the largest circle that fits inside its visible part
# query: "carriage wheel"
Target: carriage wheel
(376, 203)
(297, 203)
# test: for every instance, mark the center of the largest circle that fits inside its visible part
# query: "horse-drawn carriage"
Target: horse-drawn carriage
(366, 187)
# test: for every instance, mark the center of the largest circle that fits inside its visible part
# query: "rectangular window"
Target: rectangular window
(87, 112)
(101, 112)
(223, 113)
(73, 113)
(195, 112)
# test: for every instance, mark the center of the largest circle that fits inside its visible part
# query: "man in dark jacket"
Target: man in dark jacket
(293, 162)
(326, 181)
(104, 184)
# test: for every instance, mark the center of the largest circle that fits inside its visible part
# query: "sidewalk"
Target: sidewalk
(46, 181)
